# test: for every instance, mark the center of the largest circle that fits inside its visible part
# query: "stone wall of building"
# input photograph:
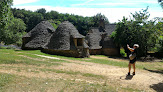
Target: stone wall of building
(69, 53)
(111, 51)
(95, 51)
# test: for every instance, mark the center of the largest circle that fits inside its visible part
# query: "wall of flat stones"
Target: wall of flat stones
(69, 53)
(111, 51)
(95, 51)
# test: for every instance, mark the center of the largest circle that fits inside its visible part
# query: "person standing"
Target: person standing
(132, 57)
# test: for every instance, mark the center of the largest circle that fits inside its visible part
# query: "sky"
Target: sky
(114, 10)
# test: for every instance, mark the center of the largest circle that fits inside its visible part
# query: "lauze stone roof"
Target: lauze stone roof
(39, 35)
(62, 39)
(98, 39)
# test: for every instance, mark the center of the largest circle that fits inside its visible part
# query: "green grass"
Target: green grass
(109, 62)
(5, 79)
(20, 83)
(93, 75)
(74, 73)
(24, 84)
(13, 83)
(37, 70)
(8, 56)
(139, 65)
(29, 53)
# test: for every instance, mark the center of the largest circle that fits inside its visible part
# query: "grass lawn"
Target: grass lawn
(139, 65)
(27, 62)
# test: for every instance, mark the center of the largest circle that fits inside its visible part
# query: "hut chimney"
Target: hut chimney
(102, 23)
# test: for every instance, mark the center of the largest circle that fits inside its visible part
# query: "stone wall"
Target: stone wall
(95, 51)
(111, 51)
(69, 53)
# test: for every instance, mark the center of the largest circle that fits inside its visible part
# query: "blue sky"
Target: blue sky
(113, 9)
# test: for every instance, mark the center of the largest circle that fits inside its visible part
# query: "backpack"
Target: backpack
(132, 56)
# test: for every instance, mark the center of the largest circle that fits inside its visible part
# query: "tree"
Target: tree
(54, 23)
(52, 15)
(42, 11)
(31, 19)
(4, 15)
(161, 3)
(14, 32)
(159, 42)
(97, 18)
(137, 30)
(4, 10)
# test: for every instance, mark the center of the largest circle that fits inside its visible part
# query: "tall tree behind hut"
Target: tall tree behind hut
(5, 6)
(31, 19)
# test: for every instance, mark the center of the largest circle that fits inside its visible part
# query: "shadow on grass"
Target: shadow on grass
(157, 87)
(129, 77)
(155, 71)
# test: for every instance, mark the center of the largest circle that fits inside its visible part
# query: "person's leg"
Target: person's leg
(129, 68)
(134, 68)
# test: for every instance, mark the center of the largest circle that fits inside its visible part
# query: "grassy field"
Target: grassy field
(26, 66)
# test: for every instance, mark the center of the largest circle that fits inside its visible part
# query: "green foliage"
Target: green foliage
(122, 52)
(42, 11)
(31, 19)
(159, 46)
(96, 19)
(137, 30)
(4, 15)
(159, 42)
(161, 3)
(14, 32)
(11, 29)
(4, 10)
(55, 23)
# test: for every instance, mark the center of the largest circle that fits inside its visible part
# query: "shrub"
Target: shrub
(122, 52)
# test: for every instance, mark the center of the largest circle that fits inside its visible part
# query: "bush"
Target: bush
(122, 52)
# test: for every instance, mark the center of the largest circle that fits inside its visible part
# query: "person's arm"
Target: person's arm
(131, 49)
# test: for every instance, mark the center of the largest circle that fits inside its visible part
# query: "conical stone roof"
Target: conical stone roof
(39, 35)
(62, 38)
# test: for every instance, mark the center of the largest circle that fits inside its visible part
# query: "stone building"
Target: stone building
(38, 36)
(67, 41)
(99, 40)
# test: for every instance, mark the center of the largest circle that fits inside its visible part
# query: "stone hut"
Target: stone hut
(99, 40)
(38, 36)
(94, 38)
(67, 41)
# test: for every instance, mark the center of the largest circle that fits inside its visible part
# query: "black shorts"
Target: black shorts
(133, 61)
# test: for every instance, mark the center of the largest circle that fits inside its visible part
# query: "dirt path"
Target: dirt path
(115, 76)
(143, 80)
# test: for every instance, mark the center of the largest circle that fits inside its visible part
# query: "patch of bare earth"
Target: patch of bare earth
(117, 76)
(114, 76)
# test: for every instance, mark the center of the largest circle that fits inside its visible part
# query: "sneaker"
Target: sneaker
(128, 73)
(133, 73)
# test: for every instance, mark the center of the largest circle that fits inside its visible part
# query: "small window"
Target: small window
(79, 42)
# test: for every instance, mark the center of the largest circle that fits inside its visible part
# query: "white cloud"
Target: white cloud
(116, 3)
(113, 14)
(18, 2)
(110, 4)
(85, 3)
